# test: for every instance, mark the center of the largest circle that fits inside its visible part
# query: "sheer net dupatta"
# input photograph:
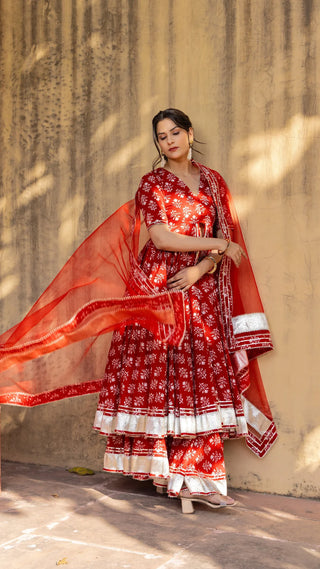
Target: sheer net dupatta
(60, 348)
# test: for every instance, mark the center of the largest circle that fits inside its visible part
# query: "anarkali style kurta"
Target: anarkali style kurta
(165, 408)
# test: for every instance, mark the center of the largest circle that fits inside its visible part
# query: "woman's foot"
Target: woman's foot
(211, 500)
(161, 489)
(161, 485)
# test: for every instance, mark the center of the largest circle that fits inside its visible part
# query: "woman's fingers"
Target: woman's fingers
(177, 285)
(180, 283)
(235, 252)
(174, 282)
(184, 279)
(241, 254)
(178, 280)
(175, 278)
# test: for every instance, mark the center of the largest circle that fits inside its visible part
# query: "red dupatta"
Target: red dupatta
(59, 349)
(246, 325)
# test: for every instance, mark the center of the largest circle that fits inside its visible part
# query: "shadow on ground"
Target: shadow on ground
(50, 516)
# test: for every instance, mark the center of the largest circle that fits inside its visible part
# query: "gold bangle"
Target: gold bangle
(223, 252)
(215, 264)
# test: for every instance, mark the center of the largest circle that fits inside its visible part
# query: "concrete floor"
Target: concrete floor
(51, 518)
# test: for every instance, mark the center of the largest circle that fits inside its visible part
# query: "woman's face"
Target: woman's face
(173, 140)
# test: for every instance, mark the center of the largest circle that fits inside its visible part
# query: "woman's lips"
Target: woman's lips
(173, 149)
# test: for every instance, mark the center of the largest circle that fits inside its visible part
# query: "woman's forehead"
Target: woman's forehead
(165, 125)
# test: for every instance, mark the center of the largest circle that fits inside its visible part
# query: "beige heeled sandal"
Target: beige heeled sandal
(187, 499)
(187, 506)
(160, 484)
(161, 489)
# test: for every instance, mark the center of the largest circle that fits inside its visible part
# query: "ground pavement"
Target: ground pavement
(50, 517)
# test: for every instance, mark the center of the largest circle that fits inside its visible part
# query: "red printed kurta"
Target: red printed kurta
(165, 407)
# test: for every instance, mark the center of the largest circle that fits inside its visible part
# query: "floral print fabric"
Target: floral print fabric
(164, 409)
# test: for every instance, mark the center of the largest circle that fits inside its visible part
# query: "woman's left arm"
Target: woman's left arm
(188, 276)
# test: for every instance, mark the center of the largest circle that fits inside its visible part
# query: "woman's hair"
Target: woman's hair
(178, 117)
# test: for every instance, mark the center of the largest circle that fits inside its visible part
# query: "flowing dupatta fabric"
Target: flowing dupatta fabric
(59, 349)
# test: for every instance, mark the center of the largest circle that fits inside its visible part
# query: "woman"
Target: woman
(182, 373)
(166, 409)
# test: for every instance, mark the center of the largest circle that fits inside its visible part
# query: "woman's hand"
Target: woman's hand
(235, 252)
(185, 278)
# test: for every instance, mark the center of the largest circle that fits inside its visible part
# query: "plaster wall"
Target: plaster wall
(80, 82)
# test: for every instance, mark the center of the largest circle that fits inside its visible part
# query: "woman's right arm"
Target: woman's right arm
(167, 240)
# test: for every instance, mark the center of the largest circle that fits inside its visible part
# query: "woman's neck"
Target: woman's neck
(183, 168)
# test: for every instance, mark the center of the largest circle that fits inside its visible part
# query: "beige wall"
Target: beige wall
(81, 80)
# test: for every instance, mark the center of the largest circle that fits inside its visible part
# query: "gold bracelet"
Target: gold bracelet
(223, 252)
(215, 265)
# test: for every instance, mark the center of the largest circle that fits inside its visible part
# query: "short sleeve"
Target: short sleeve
(150, 200)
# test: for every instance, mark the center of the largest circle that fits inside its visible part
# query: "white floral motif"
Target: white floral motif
(147, 378)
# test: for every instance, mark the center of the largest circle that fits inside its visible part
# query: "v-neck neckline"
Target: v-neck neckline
(186, 185)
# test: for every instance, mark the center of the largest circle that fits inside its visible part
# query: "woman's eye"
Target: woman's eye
(176, 132)
(163, 138)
